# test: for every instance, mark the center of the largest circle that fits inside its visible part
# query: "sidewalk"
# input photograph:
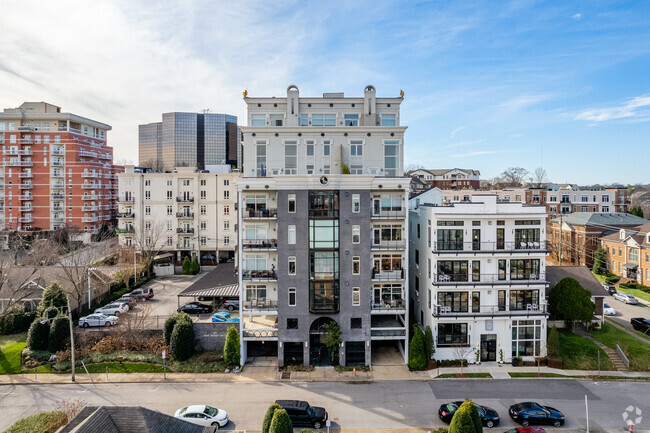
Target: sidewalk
(320, 374)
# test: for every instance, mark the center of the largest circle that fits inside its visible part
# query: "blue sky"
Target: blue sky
(489, 84)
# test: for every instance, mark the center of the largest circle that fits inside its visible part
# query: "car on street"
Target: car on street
(608, 310)
(489, 417)
(224, 317)
(114, 309)
(98, 319)
(625, 297)
(526, 430)
(529, 412)
(302, 414)
(231, 304)
(641, 324)
(142, 293)
(204, 415)
(609, 289)
(195, 308)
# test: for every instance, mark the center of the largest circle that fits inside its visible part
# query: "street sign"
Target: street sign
(164, 354)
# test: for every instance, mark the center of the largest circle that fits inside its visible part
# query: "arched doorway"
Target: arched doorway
(318, 353)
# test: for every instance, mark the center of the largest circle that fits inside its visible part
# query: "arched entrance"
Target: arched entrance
(318, 353)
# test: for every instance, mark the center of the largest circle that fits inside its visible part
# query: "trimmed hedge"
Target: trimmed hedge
(38, 335)
(231, 347)
(16, 321)
(281, 423)
(59, 331)
(268, 417)
(182, 339)
(168, 327)
(44, 422)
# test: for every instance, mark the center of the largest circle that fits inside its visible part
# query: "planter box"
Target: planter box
(515, 362)
(554, 362)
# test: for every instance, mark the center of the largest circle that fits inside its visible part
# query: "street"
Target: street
(624, 312)
(382, 404)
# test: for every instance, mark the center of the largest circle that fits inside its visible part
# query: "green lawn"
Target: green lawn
(600, 278)
(635, 292)
(578, 353)
(634, 331)
(637, 351)
(11, 346)
(44, 422)
(116, 367)
(535, 375)
(470, 375)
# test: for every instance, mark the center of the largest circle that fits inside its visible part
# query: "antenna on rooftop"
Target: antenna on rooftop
(205, 110)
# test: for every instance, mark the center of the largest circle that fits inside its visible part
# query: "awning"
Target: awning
(630, 266)
(163, 256)
(230, 291)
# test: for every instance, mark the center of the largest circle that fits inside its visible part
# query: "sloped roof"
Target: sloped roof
(554, 274)
(603, 219)
(639, 234)
(129, 419)
(441, 171)
(222, 276)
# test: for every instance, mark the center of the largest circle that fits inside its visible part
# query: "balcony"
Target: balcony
(185, 199)
(58, 186)
(25, 128)
(184, 247)
(394, 275)
(90, 186)
(57, 174)
(487, 279)
(184, 214)
(25, 141)
(91, 197)
(25, 175)
(28, 152)
(26, 186)
(58, 208)
(58, 196)
(90, 208)
(260, 275)
(387, 327)
(58, 163)
(105, 156)
(57, 152)
(261, 304)
(260, 214)
(457, 248)
(184, 230)
(89, 175)
(88, 154)
(122, 199)
(260, 244)
(25, 208)
(390, 214)
(110, 176)
(399, 244)
(19, 163)
(89, 219)
(129, 215)
(27, 219)
(394, 306)
(26, 197)
(58, 219)
(491, 311)
(125, 230)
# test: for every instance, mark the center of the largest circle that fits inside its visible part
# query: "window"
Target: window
(356, 148)
(169, 195)
(388, 120)
(391, 159)
(292, 323)
(203, 182)
(457, 302)
(226, 225)
(356, 169)
(226, 241)
(147, 182)
(356, 265)
(203, 194)
(355, 323)
(226, 182)
(356, 203)
(326, 148)
(204, 241)
(147, 225)
(186, 182)
(292, 296)
(605, 209)
(290, 157)
(428, 267)
(323, 120)
(523, 299)
(526, 337)
(147, 195)
(258, 119)
(203, 209)
(449, 239)
(203, 225)
(261, 158)
(170, 225)
(527, 269)
(304, 120)
(276, 119)
(292, 265)
(309, 148)
(356, 296)
(417, 257)
(292, 203)
(170, 210)
(170, 241)
(147, 210)
(226, 195)
(291, 235)
(452, 270)
(633, 255)
(57, 139)
(452, 334)
(356, 234)
(226, 210)
(351, 119)
(418, 231)
(169, 182)
(310, 168)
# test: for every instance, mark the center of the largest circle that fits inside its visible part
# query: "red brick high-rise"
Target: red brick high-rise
(57, 169)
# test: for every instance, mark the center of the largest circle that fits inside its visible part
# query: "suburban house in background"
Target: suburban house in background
(452, 179)
(627, 253)
(584, 276)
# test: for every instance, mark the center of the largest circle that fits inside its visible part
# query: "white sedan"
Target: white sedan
(114, 309)
(624, 297)
(608, 310)
(203, 415)
(98, 319)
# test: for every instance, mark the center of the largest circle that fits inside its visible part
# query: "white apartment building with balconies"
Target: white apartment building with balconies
(187, 212)
(478, 276)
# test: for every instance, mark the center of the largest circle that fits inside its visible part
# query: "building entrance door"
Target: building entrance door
(488, 347)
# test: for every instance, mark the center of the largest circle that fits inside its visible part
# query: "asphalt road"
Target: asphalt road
(624, 312)
(384, 404)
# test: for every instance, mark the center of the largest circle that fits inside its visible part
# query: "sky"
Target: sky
(563, 85)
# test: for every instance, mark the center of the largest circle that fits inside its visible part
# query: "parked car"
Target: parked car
(641, 324)
(231, 304)
(98, 319)
(128, 299)
(114, 309)
(302, 414)
(204, 415)
(608, 310)
(534, 413)
(489, 417)
(195, 308)
(625, 297)
(224, 317)
(526, 430)
(609, 289)
(142, 293)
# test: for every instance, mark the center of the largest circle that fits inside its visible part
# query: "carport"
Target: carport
(218, 285)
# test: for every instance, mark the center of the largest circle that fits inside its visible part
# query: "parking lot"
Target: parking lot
(624, 312)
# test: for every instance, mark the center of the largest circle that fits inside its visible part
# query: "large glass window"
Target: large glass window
(304, 120)
(356, 148)
(324, 204)
(634, 255)
(258, 119)
(526, 238)
(450, 239)
(323, 120)
(388, 120)
(255, 291)
(323, 233)
(452, 334)
(290, 157)
(351, 119)
(391, 159)
(452, 270)
(526, 337)
(523, 299)
(456, 302)
(255, 262)
(527, 269)
(253, 232)
(324, 296)
(276, 119)
(261, 159)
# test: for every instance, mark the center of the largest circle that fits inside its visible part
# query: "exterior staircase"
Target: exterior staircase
(611, 353)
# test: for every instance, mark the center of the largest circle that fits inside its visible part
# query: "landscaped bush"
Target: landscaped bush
(187, 266)
(417, 357)
(429, 347)
(38, 335)
(44, 422)
(449, 363)
(182, 339)
(17, 320)
(168, 327)
(268, 417)
(231, 348)
(281, 423)
(195, 268)
(466, 419)
(59, 331)
(53, 296)
(50, 313)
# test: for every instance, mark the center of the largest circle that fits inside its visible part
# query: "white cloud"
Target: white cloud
(636, 109)
(522, 102)
(456, 131)
(577, 17)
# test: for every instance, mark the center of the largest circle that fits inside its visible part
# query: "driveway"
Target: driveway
(624, 312)
(165, 291)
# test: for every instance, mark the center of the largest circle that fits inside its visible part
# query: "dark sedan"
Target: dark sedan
(489, 416)
(534, 413)
(195, 308)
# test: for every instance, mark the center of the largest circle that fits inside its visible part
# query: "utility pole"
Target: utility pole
(71, 336)
(561, 236)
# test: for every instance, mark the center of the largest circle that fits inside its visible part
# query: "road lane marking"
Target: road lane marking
(154, 390)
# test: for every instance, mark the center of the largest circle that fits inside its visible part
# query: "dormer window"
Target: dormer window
(621, 234)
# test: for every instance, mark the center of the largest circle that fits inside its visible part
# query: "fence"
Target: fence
(623, 357)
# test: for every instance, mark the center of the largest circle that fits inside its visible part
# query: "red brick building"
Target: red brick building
(627, 253)
(57, 169)
(448, 179)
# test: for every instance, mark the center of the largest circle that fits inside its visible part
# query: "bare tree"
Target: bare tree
(513, 176)
(461, 353)
(149, 240)
(412, 166)
(538, 177)
(156, 165)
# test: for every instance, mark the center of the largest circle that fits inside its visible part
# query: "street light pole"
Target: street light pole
(89, 271)
(71, 337)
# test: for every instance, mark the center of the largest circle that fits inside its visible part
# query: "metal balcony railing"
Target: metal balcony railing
(184, 230)
(388, 214)
(262, 213)
(491, 310)
(259, 274)
(261, 304)
(473, 279)
(390, 245)
(388, 304)
(184, 214)
(185, 199)
(488, 247)
(185, 246)
(129, 215)
(387, 275)
(26, 186)
(25, 175)
(260, 243)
